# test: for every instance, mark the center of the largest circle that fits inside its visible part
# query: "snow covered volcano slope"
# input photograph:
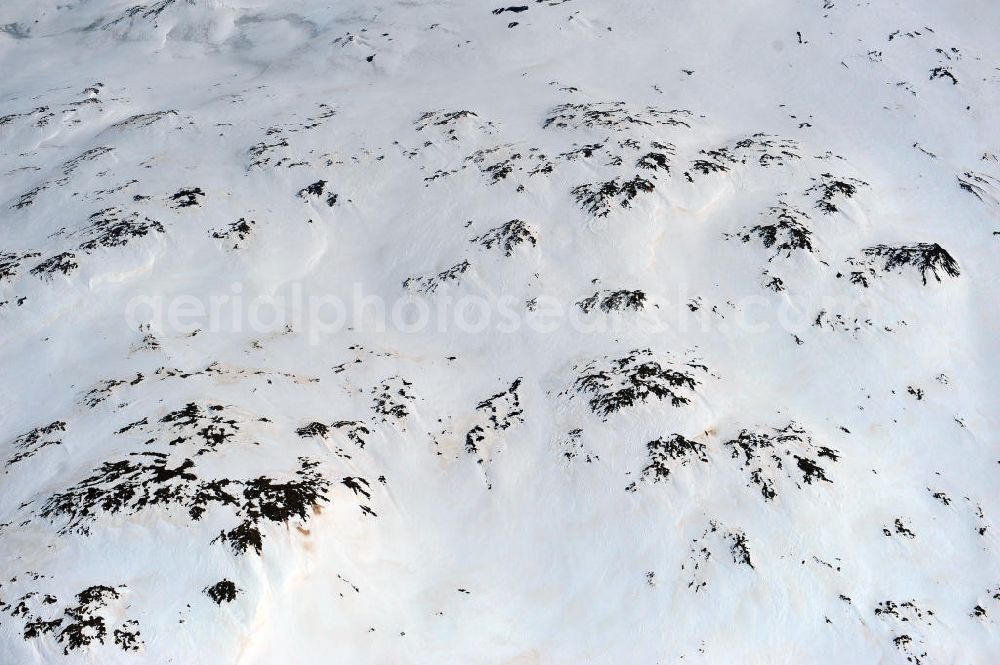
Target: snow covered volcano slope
(452, 332)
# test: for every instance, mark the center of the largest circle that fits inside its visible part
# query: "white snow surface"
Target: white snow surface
(802, 465)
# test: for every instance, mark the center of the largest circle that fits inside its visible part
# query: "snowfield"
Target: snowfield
(445, 332)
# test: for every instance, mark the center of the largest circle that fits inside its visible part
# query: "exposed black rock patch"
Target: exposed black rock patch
(496, 163)
(899, 528)
(942, 497)
(28, 198)
(844, 323)
(507, 236)
(103, 390)
(673, 451)
(829, 187)
(767, 454)
(767, 150)
(185, 198)
(68, 168)
(979, 611)
(545, 167)
(317, 190)
(313, 429)
(266, 500)
(614, 301)
(442, 118)
(128, 486)
(141, 120)
(111, 227)
(78, 626)
(71, 165)
(658, 159)
(714, 538)
(222, 370)
(39, 112)
(138, 12)
(260, 153)
(205, 426)
(981, 185)
(153, 478)
(905, 611)
(354, 430)
(10, 262)
(925, 257)
(504, 408)
(494, 414)
(64, 263)
(583, 152)
(148, 341)
(613, 115)
(241, 229)
(131, 485)
(915, 617)
(473, 438)
(785, 231)
(392, 398)
(570, 447)
(29, 443)
(274, 150)
(618, 383)
(760, 149)
(430, 284)
(716, 163)
(598, 198)
(438, 174)
(943, 73)
(739, 548)
(223, 591)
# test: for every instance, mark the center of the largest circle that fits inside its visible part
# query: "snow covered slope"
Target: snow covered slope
(440, 331)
